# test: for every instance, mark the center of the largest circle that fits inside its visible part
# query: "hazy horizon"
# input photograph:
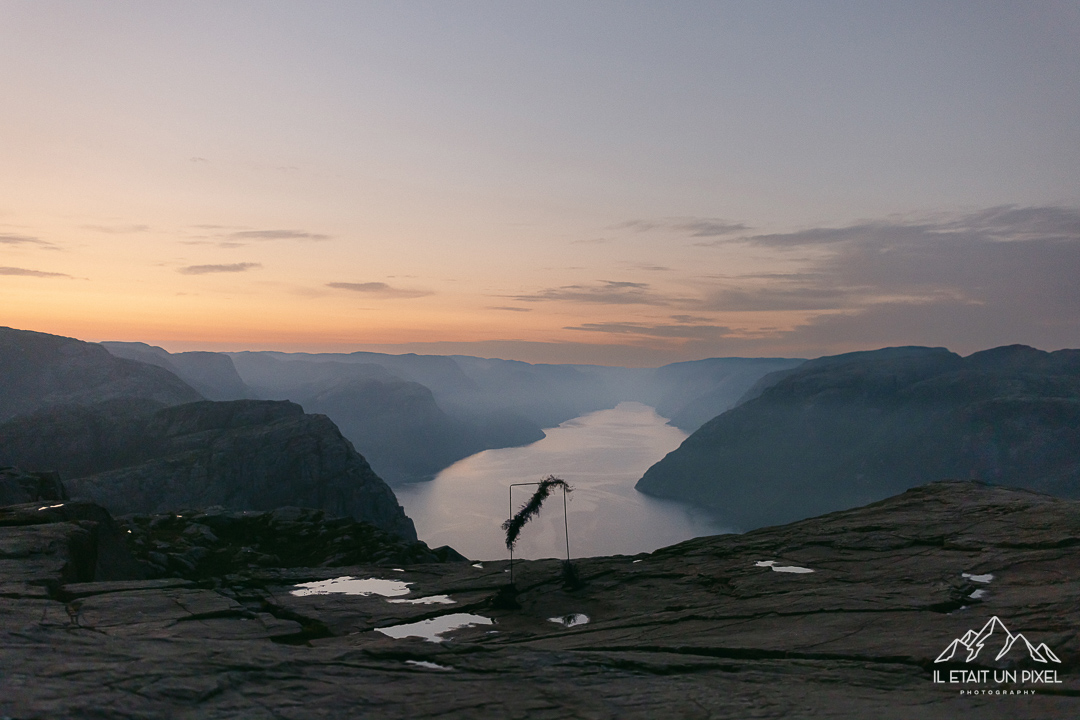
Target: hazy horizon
(626, 184)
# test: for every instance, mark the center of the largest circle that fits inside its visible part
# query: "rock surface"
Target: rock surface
(134, 456)
(41, 370)
(842, 431)
(200, 545)
(714, 627)
(17, 486)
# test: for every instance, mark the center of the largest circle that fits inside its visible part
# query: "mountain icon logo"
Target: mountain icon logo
(995, 630)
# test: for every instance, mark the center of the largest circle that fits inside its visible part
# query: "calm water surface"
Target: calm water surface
(601, 455)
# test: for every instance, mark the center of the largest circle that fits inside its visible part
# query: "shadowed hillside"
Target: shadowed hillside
(137, 456)
(845, 430)
(38, 370)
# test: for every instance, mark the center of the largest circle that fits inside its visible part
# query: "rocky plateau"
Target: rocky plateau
(839, 616)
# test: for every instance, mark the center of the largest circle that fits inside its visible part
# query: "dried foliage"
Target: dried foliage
(532, 508)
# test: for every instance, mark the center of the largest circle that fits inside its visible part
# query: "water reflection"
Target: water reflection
(571, 620)
(434, 629)
(601, 454)
(783, 568)
(348, 585)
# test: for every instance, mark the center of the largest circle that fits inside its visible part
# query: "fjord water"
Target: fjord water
(601, 455)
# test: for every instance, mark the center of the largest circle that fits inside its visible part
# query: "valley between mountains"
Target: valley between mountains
(217, 536)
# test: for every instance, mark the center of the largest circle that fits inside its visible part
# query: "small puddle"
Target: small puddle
(349, 585)
(478, 565)
(429, 600)
(977, 594)
(782, 568)
(433, 630)
(571, 620)
(427, 665)
(50, 507)
(978, 578)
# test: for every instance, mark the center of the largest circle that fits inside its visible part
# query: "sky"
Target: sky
(622, 183)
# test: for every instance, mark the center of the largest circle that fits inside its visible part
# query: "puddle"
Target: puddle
(427, 665)
(478, 565)
(50, 507)
(433, 630)
(977, 594)
(349, 585)
(571, 620)
(398, 569)
(429, 600)
(782, 568)
(978, 578)
(637, 561)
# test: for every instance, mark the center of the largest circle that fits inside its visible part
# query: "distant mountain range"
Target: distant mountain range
(413, 415)
(39, 370)
(139, 429)
(838, 432)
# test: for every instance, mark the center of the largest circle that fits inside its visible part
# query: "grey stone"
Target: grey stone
(698, 630)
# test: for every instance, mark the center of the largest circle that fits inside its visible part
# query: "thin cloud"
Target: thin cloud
(773, 298)
(711, 228)
(117, 229)
(607, 293)
(692, 226)
(661, 330)
(509, 308)
(378, 289)
(691, 319)
(209, 269)
(277, 235)
(31, 273)
(7, 239)
(1000, 275)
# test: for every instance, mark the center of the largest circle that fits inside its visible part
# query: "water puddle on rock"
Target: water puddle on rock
(427, 665)
(429, 600)
(978, 578)
(349, 585)
(782, 568)
(570, 620)
(434, 629)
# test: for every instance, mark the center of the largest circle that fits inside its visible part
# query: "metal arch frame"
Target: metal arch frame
(566, 527)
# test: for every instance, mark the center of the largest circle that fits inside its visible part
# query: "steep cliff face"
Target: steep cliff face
(40, 370)
(212, 374)
(841, 431)
(396, 424)
(137, 456)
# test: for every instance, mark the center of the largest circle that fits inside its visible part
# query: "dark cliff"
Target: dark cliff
(845, 430)
(137, 456)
